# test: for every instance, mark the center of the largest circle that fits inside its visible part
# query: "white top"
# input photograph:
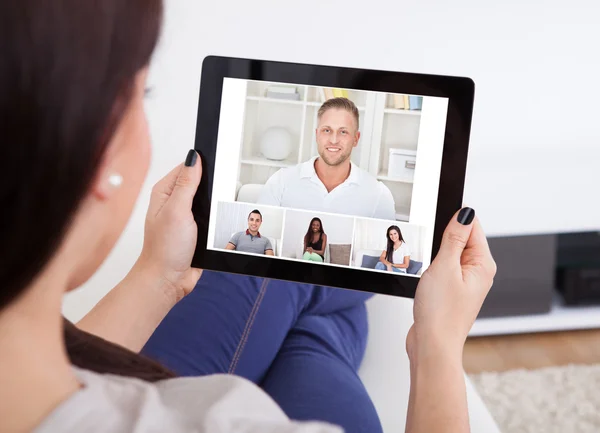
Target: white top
(210, 404)
(361, 194)
(400, 253)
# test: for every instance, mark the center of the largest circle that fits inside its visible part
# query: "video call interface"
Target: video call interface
(330, 176)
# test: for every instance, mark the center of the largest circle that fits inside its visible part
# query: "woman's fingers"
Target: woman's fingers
(162, 191)
(456, 236)
(181, 183)
(477, 258)
(190, 279)
(186, 183)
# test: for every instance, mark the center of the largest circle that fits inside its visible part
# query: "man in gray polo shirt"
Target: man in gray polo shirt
(251, 240)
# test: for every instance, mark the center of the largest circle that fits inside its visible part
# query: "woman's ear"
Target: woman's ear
(106, 187)
(108, 179)
(114, 164)
(127, 127)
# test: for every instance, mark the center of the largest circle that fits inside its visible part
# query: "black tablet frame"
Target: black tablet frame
(460, 92)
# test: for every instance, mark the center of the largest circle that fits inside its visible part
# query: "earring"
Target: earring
(115, 180)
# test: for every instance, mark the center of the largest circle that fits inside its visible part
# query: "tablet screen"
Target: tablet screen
(327, 176)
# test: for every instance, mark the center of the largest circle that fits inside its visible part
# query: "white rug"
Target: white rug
(550, 400)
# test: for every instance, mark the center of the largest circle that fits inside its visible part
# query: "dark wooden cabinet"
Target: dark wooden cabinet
(524, 283)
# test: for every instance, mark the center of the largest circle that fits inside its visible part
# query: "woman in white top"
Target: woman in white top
(396, 257)
(75, 151)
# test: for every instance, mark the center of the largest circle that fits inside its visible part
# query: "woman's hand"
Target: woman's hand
(452, 290)
(131, 311)
(383, 259)
(309, 250)
(170, 232)
(447, 302)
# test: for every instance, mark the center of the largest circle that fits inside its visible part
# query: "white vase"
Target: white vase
(276, 143)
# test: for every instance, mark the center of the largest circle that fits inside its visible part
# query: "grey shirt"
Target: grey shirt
(209, 404)
(247, 243)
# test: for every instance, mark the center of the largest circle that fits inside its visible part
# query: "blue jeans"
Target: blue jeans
(302, 344)
(383, 267)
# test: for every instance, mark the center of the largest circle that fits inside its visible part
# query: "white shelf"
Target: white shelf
(318, 104)
(382, 176)
(402, 111)
(560, 318)
(278, 101)
(293, 102)
(300, 119)
(258, 160)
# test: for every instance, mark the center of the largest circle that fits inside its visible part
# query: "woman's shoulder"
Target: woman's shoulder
(120, 404)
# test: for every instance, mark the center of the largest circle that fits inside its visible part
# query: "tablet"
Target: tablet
(328, 175)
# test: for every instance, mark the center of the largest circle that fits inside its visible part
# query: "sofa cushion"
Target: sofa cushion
(249, 193)
(339, 254)
(369, 261)
(414, 267)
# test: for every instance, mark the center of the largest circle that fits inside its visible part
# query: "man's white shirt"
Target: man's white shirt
(361, 194)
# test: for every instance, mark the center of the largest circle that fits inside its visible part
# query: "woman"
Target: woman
(396, 257)
(315, 241)
(75, 151)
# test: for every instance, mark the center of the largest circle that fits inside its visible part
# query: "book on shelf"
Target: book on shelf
(287, 96)
(340, 93)
(328, 93)
(398, 102)
(282, 92)
(281, 89)
(406, 100)
(416, 102)
(322, 94)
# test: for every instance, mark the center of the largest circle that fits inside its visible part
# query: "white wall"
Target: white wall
(339, 229)
(371, 235)
(233, 217)
(536, 134)
(533, 62)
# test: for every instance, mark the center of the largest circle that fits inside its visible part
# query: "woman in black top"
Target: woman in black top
(315, 242)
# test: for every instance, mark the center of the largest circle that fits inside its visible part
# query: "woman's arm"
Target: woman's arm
(306, 247)
(383, 260)
(437, 398)
(129, 314)
(447, 302)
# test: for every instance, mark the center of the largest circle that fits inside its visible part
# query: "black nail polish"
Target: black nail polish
(466, 215)
(190, 160)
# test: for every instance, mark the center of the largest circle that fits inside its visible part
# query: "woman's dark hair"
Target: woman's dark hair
(96, 354)
(67, 75)
(309, 233)
(389, 256)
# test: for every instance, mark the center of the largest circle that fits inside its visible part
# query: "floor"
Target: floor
(531, 351)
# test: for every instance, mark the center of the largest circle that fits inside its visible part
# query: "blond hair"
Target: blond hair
(339, 104)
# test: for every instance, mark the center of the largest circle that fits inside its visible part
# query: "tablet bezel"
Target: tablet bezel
(460, 93)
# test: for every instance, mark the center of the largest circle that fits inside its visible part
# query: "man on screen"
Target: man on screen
(251, 241)
(331, 182)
